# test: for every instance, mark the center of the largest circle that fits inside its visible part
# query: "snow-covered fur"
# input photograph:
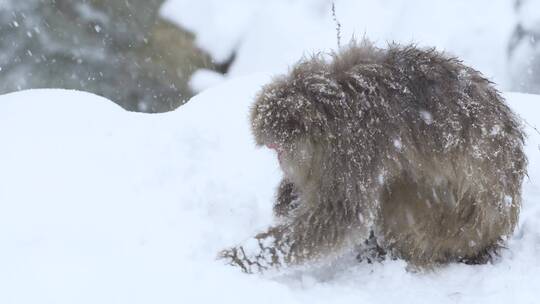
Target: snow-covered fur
(405, 144)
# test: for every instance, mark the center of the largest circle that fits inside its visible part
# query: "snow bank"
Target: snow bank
(271, 35)
(99, 205)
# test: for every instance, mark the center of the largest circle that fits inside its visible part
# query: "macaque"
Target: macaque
(402, 149)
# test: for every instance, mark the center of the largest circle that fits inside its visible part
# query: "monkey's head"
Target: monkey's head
(298, 115)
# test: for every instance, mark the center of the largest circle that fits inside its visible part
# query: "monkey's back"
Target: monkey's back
(445, 149)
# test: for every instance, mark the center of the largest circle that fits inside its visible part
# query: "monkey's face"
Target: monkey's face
(295, 115)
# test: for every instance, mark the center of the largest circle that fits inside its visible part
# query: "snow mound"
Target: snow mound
(100, 205)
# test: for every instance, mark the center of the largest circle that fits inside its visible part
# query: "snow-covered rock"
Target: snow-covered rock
(100, 205)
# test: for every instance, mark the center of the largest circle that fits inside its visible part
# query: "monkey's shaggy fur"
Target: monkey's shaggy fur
(405, 145)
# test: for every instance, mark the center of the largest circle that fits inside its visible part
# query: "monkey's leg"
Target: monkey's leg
(439, 220)
(286, 200)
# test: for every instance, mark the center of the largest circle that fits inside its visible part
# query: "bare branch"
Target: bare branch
(338, 25)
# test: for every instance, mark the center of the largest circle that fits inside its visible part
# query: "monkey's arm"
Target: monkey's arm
(266, 250)
(286, 199)
(308, 237)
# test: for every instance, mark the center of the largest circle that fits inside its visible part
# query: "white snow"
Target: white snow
(528, 14)
(203, 79)
(426, 117)
(272, 35)
(397, 143)
(99, 205)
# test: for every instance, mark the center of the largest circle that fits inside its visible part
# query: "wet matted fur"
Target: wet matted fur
(404, 146)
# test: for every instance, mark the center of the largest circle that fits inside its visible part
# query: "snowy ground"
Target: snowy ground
(271, 35)
(99, 205)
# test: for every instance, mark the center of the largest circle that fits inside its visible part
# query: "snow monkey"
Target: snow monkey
(401, 146)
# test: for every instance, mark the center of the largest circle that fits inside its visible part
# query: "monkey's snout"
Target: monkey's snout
(273, 146)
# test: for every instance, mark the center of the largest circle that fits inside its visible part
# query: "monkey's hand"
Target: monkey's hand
(260, 253)
(287, 198)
